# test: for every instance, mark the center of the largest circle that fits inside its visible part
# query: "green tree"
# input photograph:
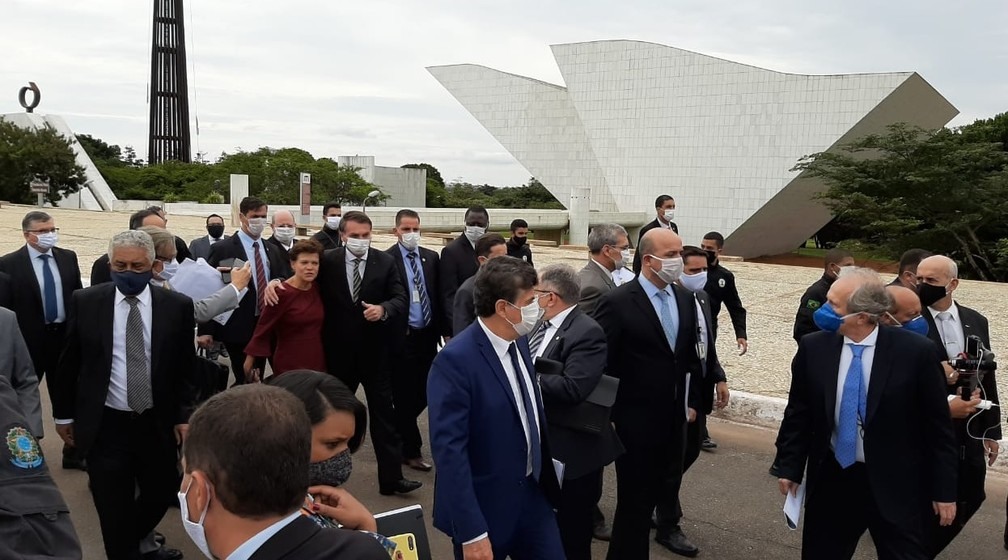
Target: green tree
(26, 154)
(432, 172)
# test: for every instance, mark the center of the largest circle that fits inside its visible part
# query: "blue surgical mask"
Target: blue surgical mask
(826, 318)
(918, 325)
(131, 283)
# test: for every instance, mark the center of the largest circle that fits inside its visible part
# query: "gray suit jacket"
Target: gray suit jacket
(200, 247)
(595, 283)
(16, 369)
(224, 299)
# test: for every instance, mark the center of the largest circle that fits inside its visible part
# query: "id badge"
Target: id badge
(416, 295)
(701, 350)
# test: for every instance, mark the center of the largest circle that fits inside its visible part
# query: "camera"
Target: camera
(971, 366)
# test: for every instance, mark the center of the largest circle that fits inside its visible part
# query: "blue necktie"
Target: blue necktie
(418, 285)
(48, 290)
(852, 407)
(668, 323)
(527, 403)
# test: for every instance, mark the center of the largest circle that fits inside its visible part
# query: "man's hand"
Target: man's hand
(181, 433)
(240, 277)
(946, 512)
(340, 505)
(479, 550)
(373, 312)
(960, 409)
(66, 433)
(722, 394)
(205, 341)
(992, 448)
(743, 346)
(271, 296)
(951, 375)
(787, 486)
(252, 373)
(691, 415)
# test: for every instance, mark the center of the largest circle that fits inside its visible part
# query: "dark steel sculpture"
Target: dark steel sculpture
(29, 106)
(169, 94)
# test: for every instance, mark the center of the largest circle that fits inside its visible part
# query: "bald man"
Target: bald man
(906, 307)
(950, 325)
(284, 227)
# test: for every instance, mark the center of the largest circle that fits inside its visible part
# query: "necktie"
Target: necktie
(852, 410)
(260, 279)
(419, 286)
(356, 280)
(948, 334)
(668, 324)
(537, 337)
(533, 428)
(138, 382)
(48, 290)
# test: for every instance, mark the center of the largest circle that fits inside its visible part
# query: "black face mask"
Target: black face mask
(519, 241)
(215, 231)
(929, 293)
(711, 258)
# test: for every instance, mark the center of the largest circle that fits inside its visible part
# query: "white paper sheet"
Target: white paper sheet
(559, 468)
(199, 280)
(792, 507)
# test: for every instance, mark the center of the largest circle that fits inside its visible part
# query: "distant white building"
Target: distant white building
(636, 120)
(406, 188)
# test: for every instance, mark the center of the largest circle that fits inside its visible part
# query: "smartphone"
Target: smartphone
(406, 545)
(233, 263)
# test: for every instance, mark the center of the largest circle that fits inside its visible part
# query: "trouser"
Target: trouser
(409, 387)
(972, 475)
(131, 452)
(236, 354)
(574, 515)
(354, 372)
(842, 507)
(669, 509)
(46, 357)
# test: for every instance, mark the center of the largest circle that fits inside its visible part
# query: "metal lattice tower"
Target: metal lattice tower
(168, 138)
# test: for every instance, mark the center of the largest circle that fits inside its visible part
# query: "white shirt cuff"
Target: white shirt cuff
(62, 421)
(477, 539)
(236, 290)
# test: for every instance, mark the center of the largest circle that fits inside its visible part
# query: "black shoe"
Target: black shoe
(163, 553)
(402, 486)
(677, 542)
(708, 444)
(601, 530)
(159, 538)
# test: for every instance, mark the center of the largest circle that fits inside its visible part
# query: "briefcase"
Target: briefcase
(210, 378)
(589, 416)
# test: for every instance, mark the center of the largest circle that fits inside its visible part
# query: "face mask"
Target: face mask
(826, 318)
(131, 283)
(411, 240)
(47, 241)
(918, 325)
(669, 215)
(332, 222)
(256, 226)
(194, 529)
(625, 257)
(711, 258)
(283, 234)
(473, 233)
(530, 314)
(519, 241)
(169, 270)
(334, 471)
(929, 294)
(215, 231)
(694, 282)
(358, 247)
(671, 269)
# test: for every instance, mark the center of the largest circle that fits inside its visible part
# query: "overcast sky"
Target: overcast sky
(348, 77)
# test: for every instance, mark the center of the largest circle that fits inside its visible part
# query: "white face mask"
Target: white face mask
(332, 222)
(283, 234)
(473, 233)
(623, 259)
(170, 269)
(694, 282)
(670, 270)
(531, 314)
(410, 240)
(256, 226)
(357, 247)
(194, 529)
(669, 215)
(47, 241)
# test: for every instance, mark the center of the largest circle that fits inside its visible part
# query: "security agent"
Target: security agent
(146, 217)
(815, 296)
(907, 276)
(665, 207)
(720, 288)
(517, 246)
(329, 235)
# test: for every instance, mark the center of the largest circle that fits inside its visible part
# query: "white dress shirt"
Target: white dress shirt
(37, 265)
(117, 396)
(247, 242)
(551, 331)
(621, 276)
(953, 337)
(350, 258)
(846, 357)
(251, 546)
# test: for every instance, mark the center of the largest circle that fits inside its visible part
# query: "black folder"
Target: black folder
(589, 416)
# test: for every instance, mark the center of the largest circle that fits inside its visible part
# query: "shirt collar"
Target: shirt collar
(650, 289)
(350, 256)
(34, 253)
(249, 547)
(603, 267)
(500, 345)
(561, 317)
(143, 297)
(953, 310)
(868, 340)
(247, 239)
(405, 252)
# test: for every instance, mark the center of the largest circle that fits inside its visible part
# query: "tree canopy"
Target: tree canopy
(27, 154)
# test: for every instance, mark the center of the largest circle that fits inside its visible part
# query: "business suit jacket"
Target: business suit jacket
(16, 370)
(580, 345)
(200, 247)
(909, 447)
(430, 262)
(595, 283)
(242, 323)
(27, 295)
(303, 539)
(702, 388)
(464, 307)
(6, 291)
(458, 262)
(477, 440)
(80, 386)
(284, 254)
(328, 238)
(650, 226)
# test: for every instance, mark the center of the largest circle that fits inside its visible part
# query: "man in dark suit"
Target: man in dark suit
(907, 275)
(245, 482)
(329, 235)
(665, 207)
(496, 485)
(650, 325)
(458, 258)
(247, 245)
(949, 326)
(200, 247)
(575, 342)
(6, 291)
(181, 249)
(122, 393)
(284, 227)
(416, 332)
(43, 278)
(868, 418)
(146, 217)
(364, 299)
(489, 246)
(815, 296)
(609, 249)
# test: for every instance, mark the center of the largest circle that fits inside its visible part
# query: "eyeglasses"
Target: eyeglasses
(41, 231)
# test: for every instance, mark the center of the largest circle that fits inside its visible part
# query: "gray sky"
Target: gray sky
(343, 78)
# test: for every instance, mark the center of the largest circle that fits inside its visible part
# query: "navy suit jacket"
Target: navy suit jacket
(478, 442)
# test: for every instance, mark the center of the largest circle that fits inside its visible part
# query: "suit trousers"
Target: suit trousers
(52, 342)
(575, 514)
(409, 387)
(971, 495)
(535, 535)
(131, 452)
(355, 370)
(669, 510)
(236, 354)
(842, 507)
